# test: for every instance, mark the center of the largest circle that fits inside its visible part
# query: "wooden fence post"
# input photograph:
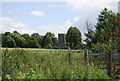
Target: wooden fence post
(69, 57)
(109, 63)
(86, 55)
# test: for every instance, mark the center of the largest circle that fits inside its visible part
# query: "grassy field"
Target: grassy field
(47, 64)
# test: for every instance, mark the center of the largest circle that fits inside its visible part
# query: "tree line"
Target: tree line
(16, 39)
(106, 35)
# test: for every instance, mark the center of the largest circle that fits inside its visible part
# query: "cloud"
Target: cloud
(37, 14)
(62, 28)
(90, 9)
(85, 5)
(10, 25)
(73, 22)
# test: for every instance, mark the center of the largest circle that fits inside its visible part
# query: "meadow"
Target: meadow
(47, 64)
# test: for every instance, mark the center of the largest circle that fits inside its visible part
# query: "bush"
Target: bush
(99, 48)
(30, 74)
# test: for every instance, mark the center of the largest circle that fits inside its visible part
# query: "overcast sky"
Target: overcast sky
(56, 17)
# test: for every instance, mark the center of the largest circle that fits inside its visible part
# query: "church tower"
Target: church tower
(61, 40)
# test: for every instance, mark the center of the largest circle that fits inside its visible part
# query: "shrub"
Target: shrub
(30, 74)
(99, 48)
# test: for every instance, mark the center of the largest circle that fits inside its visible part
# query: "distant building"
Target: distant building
(119, 7)
(61, 40)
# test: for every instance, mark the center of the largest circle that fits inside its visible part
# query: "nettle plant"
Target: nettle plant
(31, 74)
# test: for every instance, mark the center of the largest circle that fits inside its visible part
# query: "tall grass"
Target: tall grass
(54, 64)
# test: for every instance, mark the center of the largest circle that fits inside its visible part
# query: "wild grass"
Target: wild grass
(44, 64)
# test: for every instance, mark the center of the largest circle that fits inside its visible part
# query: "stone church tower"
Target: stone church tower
(61, 40)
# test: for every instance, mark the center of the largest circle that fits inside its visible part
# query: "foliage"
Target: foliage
(99, 48)
(103, 48)
(49, 40)
(20, 41)
(49, 34)
(16, 39)
(107, 26)
(35, 40)
(30, 75)
(8, 41)
(107, 30)
(26, 36)
(33, 44)
(46, 64)
(90, 35)
(73, 37)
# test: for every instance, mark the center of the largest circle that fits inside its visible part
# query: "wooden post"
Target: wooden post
(109, 63)
(86, 55)
(69, 57)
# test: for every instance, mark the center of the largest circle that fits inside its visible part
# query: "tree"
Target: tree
(8, 41)
(103, 26)
(114, 31)
(19, 40)
(16, 32)
(26, 36)
(52, 36)
(37, 37)
(49, 40)
(55, 41)
(107, 30)
(49, 34)
(46, 41)
(101, 33)
(33, 44)
(90, 34)
(73, 37)
(35, 34)
(3, 40)
(7, 33)
(16, 39)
